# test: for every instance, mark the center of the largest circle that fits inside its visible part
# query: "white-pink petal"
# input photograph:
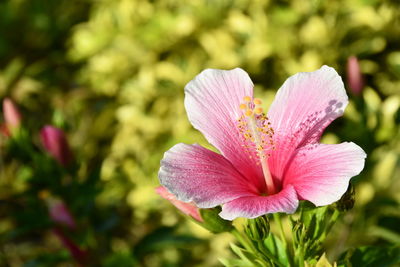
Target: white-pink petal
(320, 173)
(212, 101)
(303, 107)
(195, 174)
(254, 206)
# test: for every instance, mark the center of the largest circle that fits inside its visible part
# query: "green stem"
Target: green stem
(247, 244)
(278, 220)
(300, 255)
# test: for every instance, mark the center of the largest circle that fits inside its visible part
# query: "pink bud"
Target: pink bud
(187, 208)
(60, 213)
(355, 79)
(77, 253)
(55, 143)
(12, 117)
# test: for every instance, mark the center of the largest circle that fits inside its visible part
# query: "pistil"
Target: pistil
(257, 133)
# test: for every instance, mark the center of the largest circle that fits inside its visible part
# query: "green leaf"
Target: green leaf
(213, 222)
(371, 256)
(276, 247)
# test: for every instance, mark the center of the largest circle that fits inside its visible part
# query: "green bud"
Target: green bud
(213, 222)
(258, 228)
(347, 201)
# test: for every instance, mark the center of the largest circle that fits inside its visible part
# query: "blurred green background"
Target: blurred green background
(111, 73)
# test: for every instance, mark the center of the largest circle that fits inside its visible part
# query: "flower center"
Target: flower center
(257, 134)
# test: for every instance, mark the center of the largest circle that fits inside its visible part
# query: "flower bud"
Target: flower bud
(258, 228)
(55, 143)
(58, 210)
(346, 202)
(187, 208)
(355, 79)
(12, 117)
(60, 213)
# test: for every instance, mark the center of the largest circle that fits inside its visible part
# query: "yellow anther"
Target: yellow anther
(258, 111)
(257, 101)
(247, 99)
(243, 106)
(257, 133)
(248, 113)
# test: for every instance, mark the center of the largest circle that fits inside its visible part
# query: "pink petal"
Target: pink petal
(187, 208)
(254, 206)
(195, 174)
(212, 103)
(303, 107)
(321, 173)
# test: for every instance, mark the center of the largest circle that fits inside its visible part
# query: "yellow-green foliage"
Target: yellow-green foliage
(142, 53)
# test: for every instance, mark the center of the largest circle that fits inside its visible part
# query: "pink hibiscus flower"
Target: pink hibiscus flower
(267, 162)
